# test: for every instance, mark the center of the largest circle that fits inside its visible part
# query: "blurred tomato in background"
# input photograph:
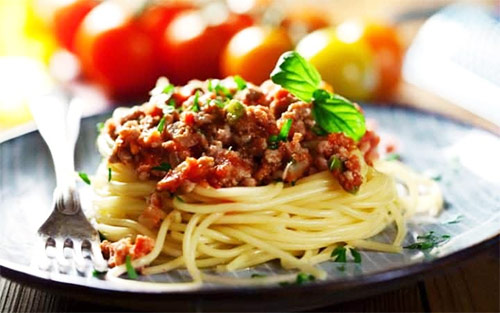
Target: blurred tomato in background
(252, 53)
(67, 19)
(115, 51)
(122, 46)
(194, 41)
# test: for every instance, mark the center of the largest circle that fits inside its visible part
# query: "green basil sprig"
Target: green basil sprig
(332, 113)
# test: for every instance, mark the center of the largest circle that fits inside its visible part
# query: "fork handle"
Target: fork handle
(59, 124)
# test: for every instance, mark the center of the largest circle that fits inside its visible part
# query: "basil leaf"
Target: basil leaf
(240, 82)
(296, 75)
(336, 114)
(84, 177)
(132, 274)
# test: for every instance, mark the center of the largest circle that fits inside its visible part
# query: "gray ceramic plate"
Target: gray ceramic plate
(463, 158)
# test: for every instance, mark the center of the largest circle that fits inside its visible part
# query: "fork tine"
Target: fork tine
(63, 263)
(40, 258)
(79, 259)
(99, 263)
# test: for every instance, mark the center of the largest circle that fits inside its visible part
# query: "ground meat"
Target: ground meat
(117, 252)
(207, 138)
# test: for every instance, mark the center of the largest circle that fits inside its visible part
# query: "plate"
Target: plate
(462, 158)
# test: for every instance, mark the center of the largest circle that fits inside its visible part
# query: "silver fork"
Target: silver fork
(67, 226)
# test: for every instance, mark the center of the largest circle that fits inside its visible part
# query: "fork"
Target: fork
(67, 225)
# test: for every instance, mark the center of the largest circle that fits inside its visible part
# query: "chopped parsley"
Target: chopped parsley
(304, 278)
(196, 103)
(97, 274)
(169, 89)
(110, 173)
(428, 241)
(240, 82)
(256, 275)
(161, 125)
(84, 177)
(340, 254)
(335, 163)
(332, 112)
(162, 167)
(283, 134)
(341, 268)
(392, 157)
(132, 274)
(300, 279)
(99, 126)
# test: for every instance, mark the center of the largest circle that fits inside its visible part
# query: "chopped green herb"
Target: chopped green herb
(169, 89)
(109, 174)
(356, 255)
(209, 87)
(285, 130)
(162, 167)
(340, 254)
(219, 89)
(341, 268)
(97, 274)
(255, 275)
(282, 136)
(179, 198)
(335, 163)
(99, 126)
(132, 274)
(240, 82)
(218, 103)
(84, 177)
(161, 125)
(392, 157)
(196, 104)
(172, 103)
(304, 278)
(428, 241)
(457, 220)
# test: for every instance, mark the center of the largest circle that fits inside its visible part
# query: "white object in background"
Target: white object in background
(456, 55)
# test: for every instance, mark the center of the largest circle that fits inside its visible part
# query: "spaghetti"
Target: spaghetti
(240, 227)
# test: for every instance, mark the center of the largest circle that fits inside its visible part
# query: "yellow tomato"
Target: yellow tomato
(343, 60)
(253, 52)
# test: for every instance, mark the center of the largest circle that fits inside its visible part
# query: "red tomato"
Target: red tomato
(67, 18)
(156, 18)
(116, 52)
(254, 51)
(388, 53)
(192, 48)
